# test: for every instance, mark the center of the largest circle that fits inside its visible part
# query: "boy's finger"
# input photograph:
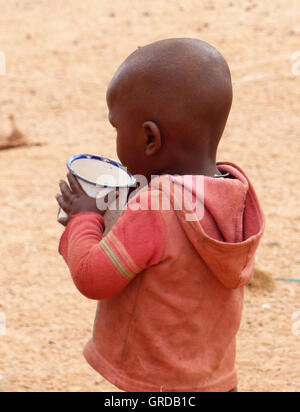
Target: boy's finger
(62, 203)
(65, 190)
(75, 186)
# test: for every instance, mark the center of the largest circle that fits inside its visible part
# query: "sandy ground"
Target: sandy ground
(60, 56)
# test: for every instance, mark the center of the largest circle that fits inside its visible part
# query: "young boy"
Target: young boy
(170, 289)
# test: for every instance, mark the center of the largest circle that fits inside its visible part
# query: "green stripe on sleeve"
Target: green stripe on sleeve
(116, 261)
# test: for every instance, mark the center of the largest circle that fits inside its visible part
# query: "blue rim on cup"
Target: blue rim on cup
(102, 159)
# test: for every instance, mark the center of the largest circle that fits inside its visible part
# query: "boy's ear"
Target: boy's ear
(152, 138)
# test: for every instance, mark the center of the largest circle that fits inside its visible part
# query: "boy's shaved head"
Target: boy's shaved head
(184, 86)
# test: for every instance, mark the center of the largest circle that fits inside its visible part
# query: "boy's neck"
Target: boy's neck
(198, 168)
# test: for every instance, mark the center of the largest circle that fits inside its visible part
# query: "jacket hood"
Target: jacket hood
(223, 220)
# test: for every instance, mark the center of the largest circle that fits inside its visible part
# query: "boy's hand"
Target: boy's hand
(75, 200)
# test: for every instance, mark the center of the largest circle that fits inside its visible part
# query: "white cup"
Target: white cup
(100, 176)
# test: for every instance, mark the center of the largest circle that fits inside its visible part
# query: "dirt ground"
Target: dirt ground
(60, 56)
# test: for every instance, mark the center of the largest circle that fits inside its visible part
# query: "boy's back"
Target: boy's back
(173, 327)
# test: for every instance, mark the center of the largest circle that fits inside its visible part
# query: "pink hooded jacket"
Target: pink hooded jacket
(169, 289)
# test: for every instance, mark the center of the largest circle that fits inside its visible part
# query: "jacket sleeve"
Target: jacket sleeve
(102, 267)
